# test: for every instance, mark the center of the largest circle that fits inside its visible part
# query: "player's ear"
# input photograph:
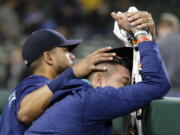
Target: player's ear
(47, 58)
(98, 80)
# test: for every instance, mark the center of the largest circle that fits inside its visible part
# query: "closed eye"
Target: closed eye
(125, 81)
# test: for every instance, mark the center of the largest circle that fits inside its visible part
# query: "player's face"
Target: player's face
(62, 58)
(119, 78)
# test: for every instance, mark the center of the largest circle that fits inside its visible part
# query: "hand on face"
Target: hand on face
(88, 64)
(131, 22)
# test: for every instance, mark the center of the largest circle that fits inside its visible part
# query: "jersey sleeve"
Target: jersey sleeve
(34, 83)
(108, 102)
(29, 85)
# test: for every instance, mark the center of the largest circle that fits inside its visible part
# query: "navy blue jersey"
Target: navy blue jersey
(89, 111)
(9, 124)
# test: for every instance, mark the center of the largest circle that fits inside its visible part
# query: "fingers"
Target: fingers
(139, 22)
(142, 20)
(100, 55)
(143, 26)
(106, 55)
(88, 64)
(99, 68)
(116, 16)
(121, 19)
(102, 50)
(101, 59)
(137, 15)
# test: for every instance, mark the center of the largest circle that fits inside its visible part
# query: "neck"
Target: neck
(46, 73)
(93, 83)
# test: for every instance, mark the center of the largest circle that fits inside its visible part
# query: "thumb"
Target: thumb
(114, 15)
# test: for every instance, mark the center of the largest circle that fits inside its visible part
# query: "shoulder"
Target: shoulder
(33, 80)
(30, 83)
(71, 88)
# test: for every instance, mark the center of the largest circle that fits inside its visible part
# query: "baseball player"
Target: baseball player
(47, 54)
(89, 108)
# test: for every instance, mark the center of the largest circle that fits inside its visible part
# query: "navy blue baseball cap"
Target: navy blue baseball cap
(44, 40)
(124, 52)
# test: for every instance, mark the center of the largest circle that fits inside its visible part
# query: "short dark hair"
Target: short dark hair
(123, 61)
(34, 66)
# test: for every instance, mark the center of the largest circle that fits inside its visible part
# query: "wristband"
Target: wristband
(140, 32)
(140, 40)
(58, 82)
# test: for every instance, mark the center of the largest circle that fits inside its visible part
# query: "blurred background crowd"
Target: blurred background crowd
(89, 20)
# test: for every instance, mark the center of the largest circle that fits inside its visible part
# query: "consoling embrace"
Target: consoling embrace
(56, 100)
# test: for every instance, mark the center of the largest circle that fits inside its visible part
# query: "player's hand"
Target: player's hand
(122, 20)
(89, 63)
(142, 20)
(131, 22)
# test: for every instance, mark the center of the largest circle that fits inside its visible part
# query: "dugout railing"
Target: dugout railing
(162, 117)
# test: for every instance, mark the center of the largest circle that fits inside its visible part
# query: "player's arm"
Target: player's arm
(36, 101)
(108, 102)
(33, 104)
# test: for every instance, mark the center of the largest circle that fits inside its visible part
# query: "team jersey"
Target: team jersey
(9, 124)
(89, 111)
